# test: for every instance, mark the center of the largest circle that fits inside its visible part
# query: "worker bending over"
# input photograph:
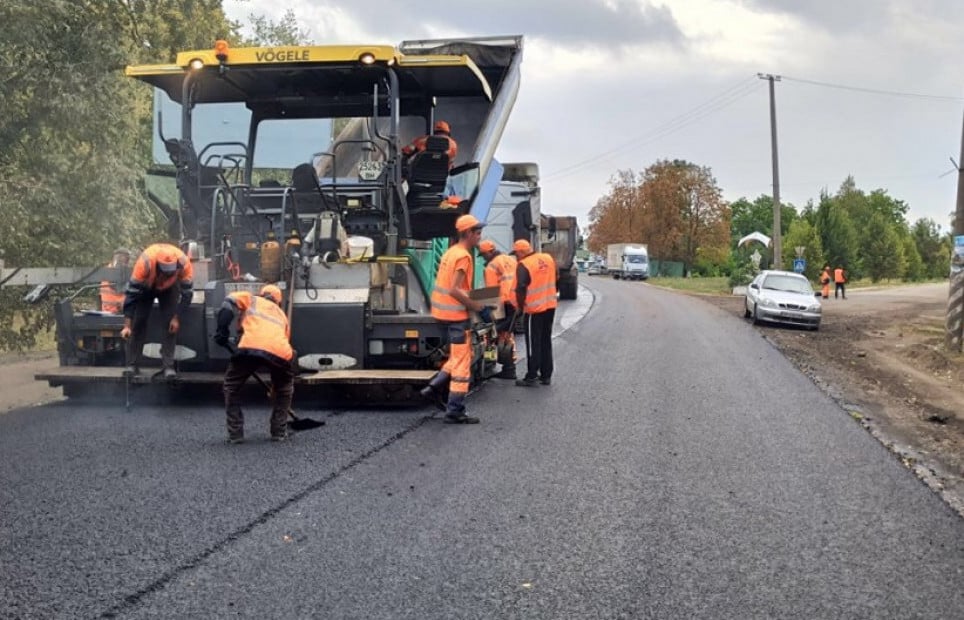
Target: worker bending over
(162, 272)
(265, 342)
(451, 305)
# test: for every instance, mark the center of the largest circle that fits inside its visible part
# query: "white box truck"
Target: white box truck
(628, 261)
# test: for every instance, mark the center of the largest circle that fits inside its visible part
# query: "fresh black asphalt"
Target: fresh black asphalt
(678, 466)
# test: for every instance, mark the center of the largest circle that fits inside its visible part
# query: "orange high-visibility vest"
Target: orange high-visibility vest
(111, 300)
(838, 276)
(444, 306)
(825, 277)
(145, 269)
(501, 272)
(263, 325)
(419, 145)
(541, 292)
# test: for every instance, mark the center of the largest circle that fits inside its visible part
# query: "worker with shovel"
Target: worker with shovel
(265, 332)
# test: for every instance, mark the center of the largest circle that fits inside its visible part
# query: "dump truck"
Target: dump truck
(560, 239)
(289, 168)
(517, 213)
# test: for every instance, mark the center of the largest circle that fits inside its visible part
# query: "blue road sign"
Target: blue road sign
(799, 264)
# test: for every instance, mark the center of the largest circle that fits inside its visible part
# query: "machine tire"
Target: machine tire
(746, 310)
(568, 289)
(756, 316)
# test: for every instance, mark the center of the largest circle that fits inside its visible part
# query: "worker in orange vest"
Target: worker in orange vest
(265, 342)
(112, 300)
(162, 272)
(442, 129)
(451, 305)
(825, 281)
(535, 288)
(839, 278)
(500, 271)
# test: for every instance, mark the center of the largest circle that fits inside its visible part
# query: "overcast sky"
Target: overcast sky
(615, 84)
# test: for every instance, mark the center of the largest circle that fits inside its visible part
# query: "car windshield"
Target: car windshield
(636, 259)
(788, 284)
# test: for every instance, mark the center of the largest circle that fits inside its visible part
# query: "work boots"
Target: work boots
(455, 411)
(434, 391)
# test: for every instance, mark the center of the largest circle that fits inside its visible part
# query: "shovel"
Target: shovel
(295, 423)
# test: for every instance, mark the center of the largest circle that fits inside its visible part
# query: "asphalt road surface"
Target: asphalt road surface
(678, 466)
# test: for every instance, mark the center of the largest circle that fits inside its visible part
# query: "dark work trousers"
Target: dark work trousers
(539, 344)
(840, 291)
(167, 304)
(240, 368)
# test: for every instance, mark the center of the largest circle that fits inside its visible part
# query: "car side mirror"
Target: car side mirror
(755, 287)
(816, 293)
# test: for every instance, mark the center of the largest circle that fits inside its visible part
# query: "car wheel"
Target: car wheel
(756, 316)
(746, 310)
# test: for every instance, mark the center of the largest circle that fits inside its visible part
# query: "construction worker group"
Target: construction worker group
(527, 289)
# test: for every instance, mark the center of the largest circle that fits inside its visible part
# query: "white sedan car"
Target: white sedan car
(782, 297)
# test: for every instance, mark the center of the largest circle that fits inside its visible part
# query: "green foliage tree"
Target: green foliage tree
(837, 235)
(931, 247)
(915, 270)
(285, 31)
(76, 132)
(803, 234)
(883, 252)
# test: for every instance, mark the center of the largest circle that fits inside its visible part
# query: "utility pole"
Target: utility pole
(777, 237)
(955, 300)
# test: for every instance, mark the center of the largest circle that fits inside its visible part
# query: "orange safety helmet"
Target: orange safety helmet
(522, 247)
(467, 222)
(486, 246)
(272, 292)
(166, 258)
(442, 127)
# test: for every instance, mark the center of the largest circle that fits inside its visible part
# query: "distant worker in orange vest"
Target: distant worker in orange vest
(536, 295)
(839, 278)
(500, 271)
(825, 281)
(265, 342)
(112, 300)
(451, 306)
(162, 272)
(441, 129)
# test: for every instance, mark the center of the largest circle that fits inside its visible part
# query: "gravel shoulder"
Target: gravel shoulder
(880, 354)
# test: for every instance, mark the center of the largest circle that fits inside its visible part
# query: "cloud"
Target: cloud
(597, 75)
(606, 24)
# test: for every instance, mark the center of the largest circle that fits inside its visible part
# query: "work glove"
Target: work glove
(221, 340)
(486, 314)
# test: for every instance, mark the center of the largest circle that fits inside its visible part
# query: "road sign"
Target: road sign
(799, 265)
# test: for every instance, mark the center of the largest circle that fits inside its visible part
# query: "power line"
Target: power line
(710, 106)
(874, 91)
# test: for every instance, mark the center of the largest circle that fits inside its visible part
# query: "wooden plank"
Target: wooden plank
(367, 376)
(114, 374)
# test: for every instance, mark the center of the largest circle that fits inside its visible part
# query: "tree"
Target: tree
(927, 238)
(883, 252)
(916, 270)
(803, 234)
(617, 218)
(837, 235)
(285, 31)
(76, 133)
